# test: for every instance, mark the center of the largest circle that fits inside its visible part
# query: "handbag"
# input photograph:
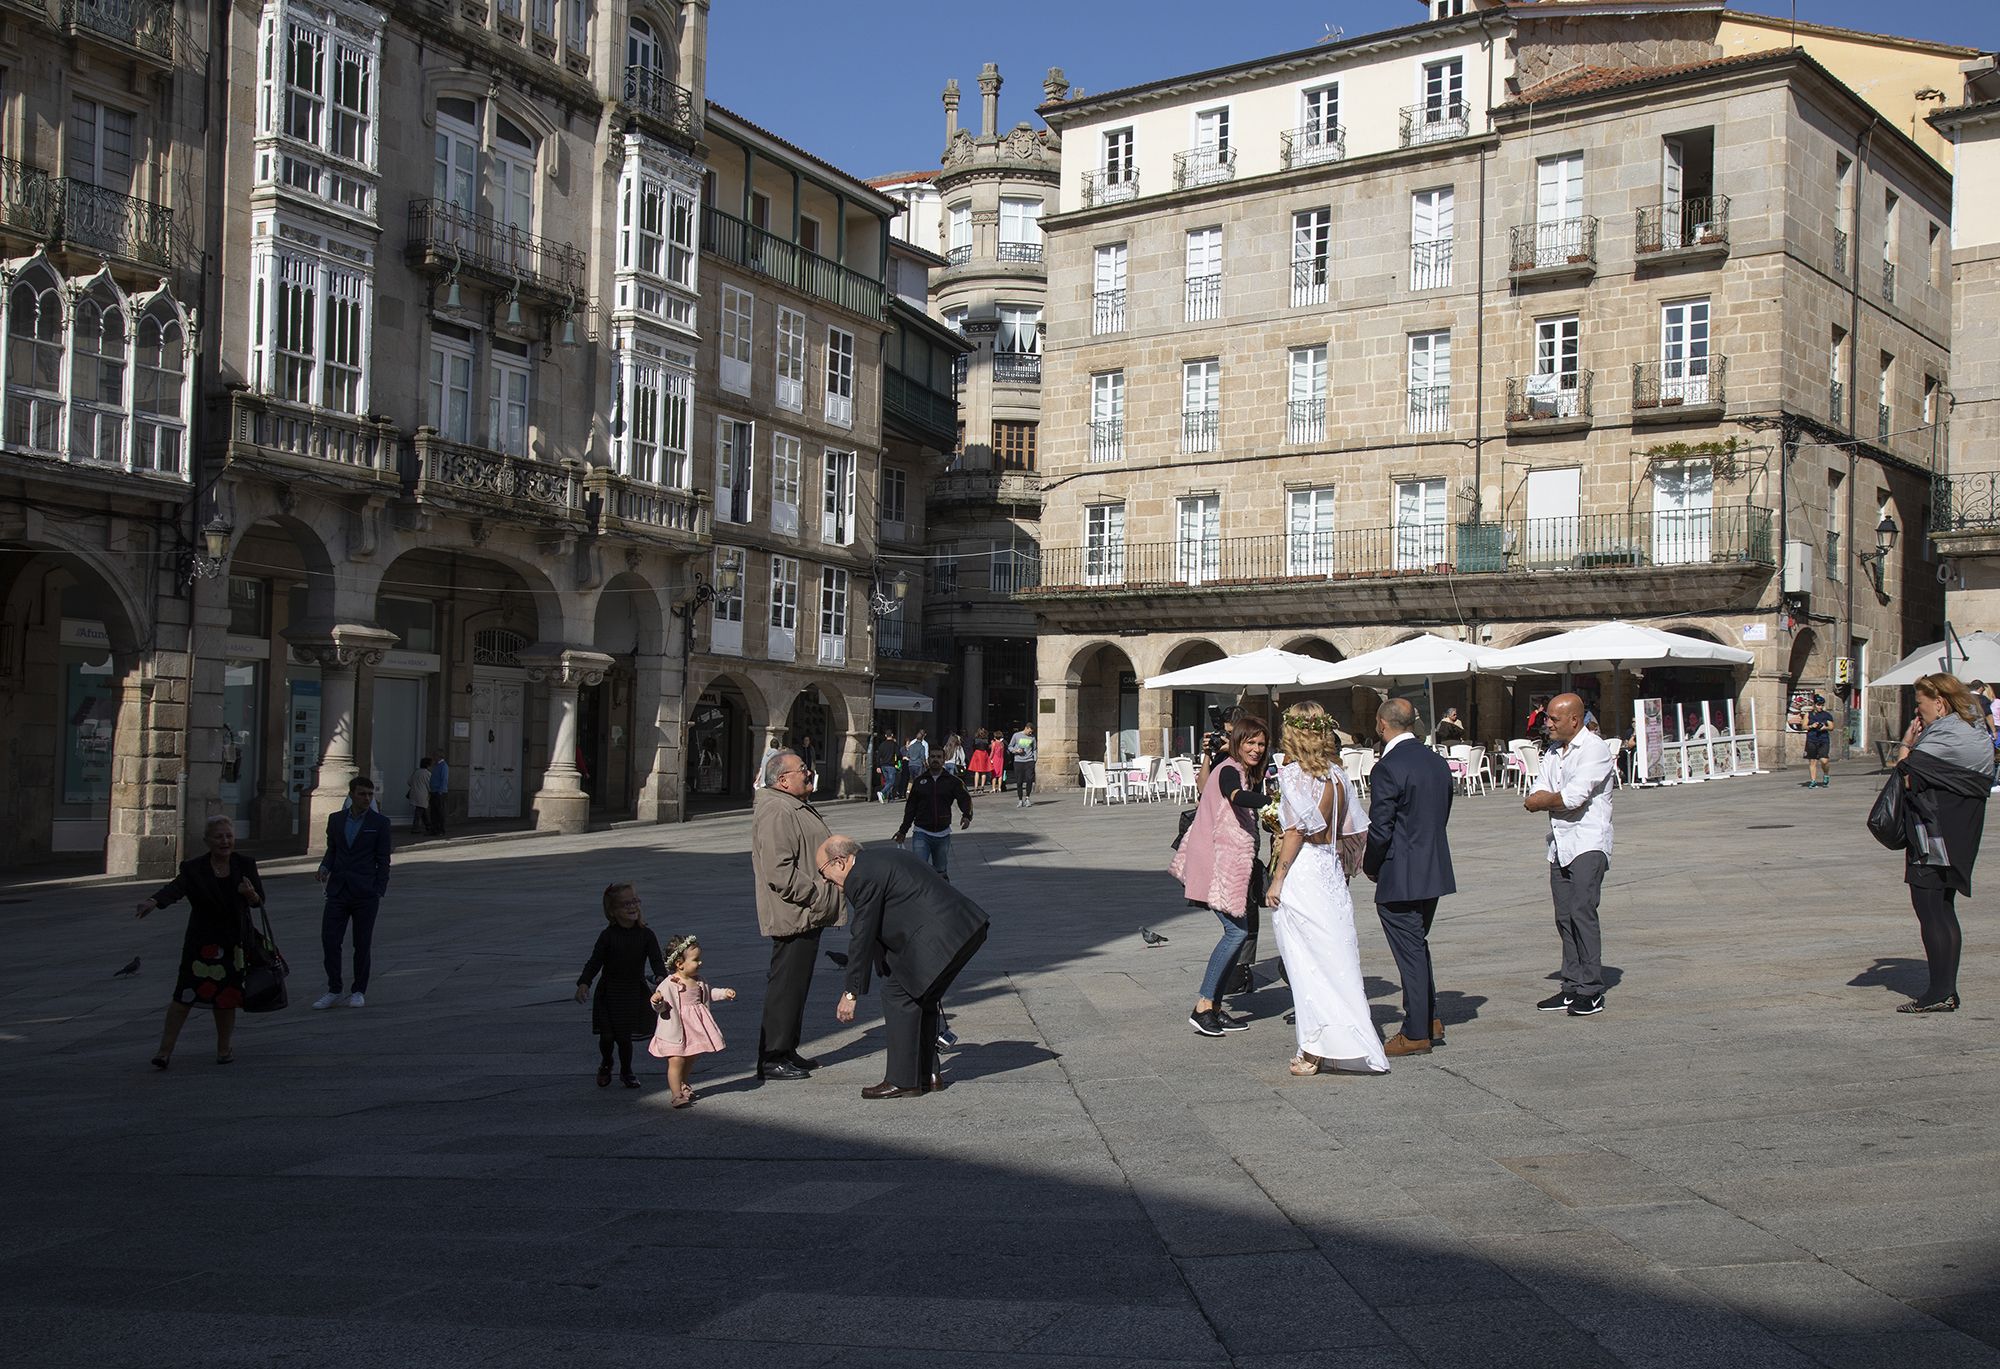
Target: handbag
(1187, 821)
(264, 982)
(1886, 820)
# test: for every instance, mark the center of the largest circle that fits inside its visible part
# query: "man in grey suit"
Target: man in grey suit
(1409, 858)
(918, 932)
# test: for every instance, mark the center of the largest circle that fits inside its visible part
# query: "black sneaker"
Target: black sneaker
(1232, 1024)
(1587, 1005)
(1555, 1002)
(1207, 1023)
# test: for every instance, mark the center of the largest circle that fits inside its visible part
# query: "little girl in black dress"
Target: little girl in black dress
(622, 1012)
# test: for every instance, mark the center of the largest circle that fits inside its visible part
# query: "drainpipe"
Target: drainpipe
(1862, 142)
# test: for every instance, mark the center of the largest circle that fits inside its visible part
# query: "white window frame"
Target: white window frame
(1109, 265)
(833, 594)
(1118, 156)
(1104, 544)
(1429, 386)
(1685, 358)
(159, 436)
(1201, 404)
(1309, 531)
(958, 232)
(1683, 512)
(509, 397)
(836, 520)
(1553, 385)
(1432, 216)
(448, 404)
(1318, 136)
(1020, 330)
(725, 611)
(786, 469)
(1312, 255)
(840, 364)
(791, 360)
(335, 282)
(1020, 220)
(1202, 258)
(1305, 394)
(99, 423)
(1197, 538)
(1107, 416)
(782, 640)
(735, 470)
(735, 339)
(1422, 523)
(37, 413)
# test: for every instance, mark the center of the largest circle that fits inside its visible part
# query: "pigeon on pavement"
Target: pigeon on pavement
(1151, 937)
(131, 969)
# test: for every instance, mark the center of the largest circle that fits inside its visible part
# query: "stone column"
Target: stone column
(338, 654)
(658, 729)
(1156, 715)
(855, 779)
(145, 828)
(1056, 736)
(972, 690)
(560, 804)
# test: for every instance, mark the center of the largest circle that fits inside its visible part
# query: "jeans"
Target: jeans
(1024, 779)
(333, 931)
(1235, 931)
(936, 850)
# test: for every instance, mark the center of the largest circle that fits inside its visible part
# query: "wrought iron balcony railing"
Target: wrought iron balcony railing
(1430, 408)
(791, 265)
(440, 467)
(1555, 397)
(1690, 382)
(1554, 246)
(649, 93)
(1309, 281)
(1107, 439)
(146, 26)
(1110, 187)
(959, 255)
(1204, 166)
(1017, 368)
(1198, 429)
(1434, 121)
(1966, 503)
(1204, 298)
(1430, 264)
(65, 210)
(1602, 542)
(452, 237)
(1107, 311)
(1019, 251)
(1311, 145)
(1692, 226)
(1305, 420)
(1836, 403)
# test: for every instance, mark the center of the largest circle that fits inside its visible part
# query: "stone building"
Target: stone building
(1965, 516)
(1504, 322)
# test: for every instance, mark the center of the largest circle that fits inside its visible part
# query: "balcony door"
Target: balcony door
(1552, 388)
(1104, 544)
(1558, 208)
(1552, 530)
(1684, 352)
(100, 146)
(1198, 539)
(455, 156)
(1444, 91)
(1420, 525)
(1309, 533)
(1683, 512)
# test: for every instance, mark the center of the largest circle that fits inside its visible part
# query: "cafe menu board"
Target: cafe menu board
(1651, 737)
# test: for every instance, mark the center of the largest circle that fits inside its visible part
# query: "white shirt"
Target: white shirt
(1397, 740)
(1581, 772)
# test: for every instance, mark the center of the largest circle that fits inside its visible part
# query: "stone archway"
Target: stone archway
(726, 728)
(818, 717)
(1184, 713)
(1107, 701)
(626, 720)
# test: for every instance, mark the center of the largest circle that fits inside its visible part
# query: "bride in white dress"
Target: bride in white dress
(1314, 917)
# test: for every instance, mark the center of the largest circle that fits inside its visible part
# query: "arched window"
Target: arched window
(97, 378)
(642, 49)
(159, 393)
(35, 362)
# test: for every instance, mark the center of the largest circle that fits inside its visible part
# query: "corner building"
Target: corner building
(1499, 324)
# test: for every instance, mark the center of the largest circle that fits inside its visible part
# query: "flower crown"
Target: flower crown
(1311, 722)
(677, 948)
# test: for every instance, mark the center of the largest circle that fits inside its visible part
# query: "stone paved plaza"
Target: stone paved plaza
(1749, 1160)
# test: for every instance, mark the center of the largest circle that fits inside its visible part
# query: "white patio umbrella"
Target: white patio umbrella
(1429, 657)
(1617, 646)
(1974, 656)
(1267, 667)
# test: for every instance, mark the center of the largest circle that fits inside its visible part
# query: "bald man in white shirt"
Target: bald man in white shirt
(1574, 789)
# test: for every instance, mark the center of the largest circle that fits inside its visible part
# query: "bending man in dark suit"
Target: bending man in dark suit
(919, 932)
(1409, 859)
(355, 871)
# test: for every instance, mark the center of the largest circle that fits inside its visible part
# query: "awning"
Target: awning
(902, 701)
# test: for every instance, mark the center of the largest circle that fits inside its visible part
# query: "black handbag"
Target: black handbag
(1886, 820)
(1187, 821)
(264, 981)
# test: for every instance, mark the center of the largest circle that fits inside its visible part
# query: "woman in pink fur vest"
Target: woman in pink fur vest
(1218, 867)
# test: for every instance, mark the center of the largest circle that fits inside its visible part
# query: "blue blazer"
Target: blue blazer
(1408, 856)
(360, 870)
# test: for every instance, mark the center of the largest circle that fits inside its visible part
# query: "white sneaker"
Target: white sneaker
(355, 1000)
(330, 1000)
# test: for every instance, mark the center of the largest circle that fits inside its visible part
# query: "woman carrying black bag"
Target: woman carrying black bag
(221, 888)
(1946, 766)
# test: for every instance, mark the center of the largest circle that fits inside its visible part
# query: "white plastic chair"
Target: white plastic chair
(1180, 772)
(1140, 773)
(1093, 782)
(1530, 757)
(1467, 763)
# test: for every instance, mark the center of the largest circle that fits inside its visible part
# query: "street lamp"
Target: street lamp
(886, 591)
(208, 563)
(1885, 542)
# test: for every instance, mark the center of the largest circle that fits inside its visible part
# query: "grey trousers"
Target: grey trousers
(1576, 887)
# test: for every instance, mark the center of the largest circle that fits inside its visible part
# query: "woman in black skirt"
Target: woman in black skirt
(622, 1012)
(221, 888)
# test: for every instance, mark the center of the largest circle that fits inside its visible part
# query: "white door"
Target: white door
(1558, 209)
(493, 789)
(1683, 504)
(1684, 352)
(1672, 179)
(1552, 515)
(1552, 390)
(1420, 527)
(399, 729)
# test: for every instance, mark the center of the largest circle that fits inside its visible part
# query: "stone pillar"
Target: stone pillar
(144, 837)
(1156, 716)
(1614, 706)
(560, 804)
(989, 99)
(338, 654)
(972, 690)
(950, 110)
(1056, 736)
(659, 728)
(855, 779)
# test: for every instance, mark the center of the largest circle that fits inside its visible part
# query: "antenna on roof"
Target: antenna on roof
(1334, 33)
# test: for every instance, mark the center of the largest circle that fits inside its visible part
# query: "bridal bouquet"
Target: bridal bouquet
(1268, 814)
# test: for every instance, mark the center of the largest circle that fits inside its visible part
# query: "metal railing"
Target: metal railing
(146, 25)
(1110, 187)
(294, 430)
(961, 367)
(1604, 542)
(916, 403)
(1964, 502)
(62, 209)
(1430, 408)
(1554, 245)
(958, 256)
(1107, 439)
(1684, 226)
(1840, 251)
(650, 93)
(496, 249)
(1434, 121)
(1305, 420)
(1309, 146)
(1553, 397)
(439, 465)
(1888, 282)
(1836, 403)
(1107, 311)
(1019, 251)
(1198, 429)
(1430, 264)
(637, 504)
(791, 265)
(1881, 422)
(1204, 298)
(1309, 278)
(1017, 368)
(30, 199)
(1204, 166)
(1695, 382)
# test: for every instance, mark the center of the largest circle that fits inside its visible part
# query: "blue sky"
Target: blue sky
(857, 83)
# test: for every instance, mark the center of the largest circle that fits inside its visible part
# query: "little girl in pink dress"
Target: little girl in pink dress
(686, 1027)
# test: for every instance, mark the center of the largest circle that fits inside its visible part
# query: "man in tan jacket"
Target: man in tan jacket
(794, 905)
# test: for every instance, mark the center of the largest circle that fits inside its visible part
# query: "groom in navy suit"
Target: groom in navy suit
(1409, 859)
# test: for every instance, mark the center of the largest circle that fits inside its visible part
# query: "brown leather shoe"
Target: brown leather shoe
(1400, 1044)
(885, 1089)
(938, 1084)
(1437, 1032)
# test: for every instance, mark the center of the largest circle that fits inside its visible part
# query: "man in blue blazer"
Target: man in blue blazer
(355, 871)
(1409, 859)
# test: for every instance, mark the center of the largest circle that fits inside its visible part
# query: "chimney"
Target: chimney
(950, 109)
(1055, 86)
(989, 99)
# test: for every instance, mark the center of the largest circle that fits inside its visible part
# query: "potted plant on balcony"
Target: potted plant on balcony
(1579, 258)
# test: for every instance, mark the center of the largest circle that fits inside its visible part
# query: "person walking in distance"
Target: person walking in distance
(1819, 743)
(794, 905)
(928, 811)
(419, 794)
(1021, 746)
(1574, 789)
(440, 792)
(355, 871)
(1409, 858)
(809, 758)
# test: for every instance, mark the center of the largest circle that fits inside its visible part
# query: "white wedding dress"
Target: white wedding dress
(1314, 922)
